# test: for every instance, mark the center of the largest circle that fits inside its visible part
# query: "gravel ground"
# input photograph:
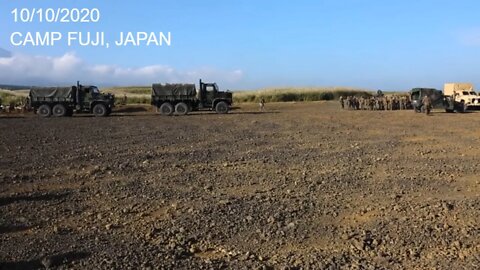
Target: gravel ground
(301, 186)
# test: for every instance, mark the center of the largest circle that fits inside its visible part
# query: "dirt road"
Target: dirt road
(303, 185)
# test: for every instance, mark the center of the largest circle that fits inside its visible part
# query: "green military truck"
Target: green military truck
(64, 101)
(183, 98)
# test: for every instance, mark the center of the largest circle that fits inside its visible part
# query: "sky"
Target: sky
(370, 44)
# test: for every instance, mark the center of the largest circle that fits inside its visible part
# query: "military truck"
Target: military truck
(417, 95)
(460, 97)
(183, 98)
(64, 101)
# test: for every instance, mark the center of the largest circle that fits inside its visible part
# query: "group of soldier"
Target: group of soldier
(11, 107)
(376, 103)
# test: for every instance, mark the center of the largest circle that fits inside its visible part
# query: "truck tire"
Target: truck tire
(59, 110)
(166, 109)
(221, 107)
(461, 108)
(44, 110)
(99, 110)
(181, 108)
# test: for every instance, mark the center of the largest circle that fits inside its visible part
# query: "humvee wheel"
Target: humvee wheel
(181, 108)
(59, 110)
(44, 111)
(100, 110)
(166, 109)
(221, 107)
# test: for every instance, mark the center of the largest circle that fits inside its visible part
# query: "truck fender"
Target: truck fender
(215, 101)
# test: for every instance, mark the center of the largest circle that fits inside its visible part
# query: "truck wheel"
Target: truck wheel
(100, 110)
(166, 109)
(221, 107)
(59, 110)
(181, 108)
(44, 111)
(461, 108)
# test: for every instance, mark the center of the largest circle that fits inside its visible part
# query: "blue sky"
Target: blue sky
(391, 45)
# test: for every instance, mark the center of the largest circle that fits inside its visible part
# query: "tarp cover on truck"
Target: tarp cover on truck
(52, 92)
(173, 90)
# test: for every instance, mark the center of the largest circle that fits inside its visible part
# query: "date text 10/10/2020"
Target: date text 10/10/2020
(94, 39)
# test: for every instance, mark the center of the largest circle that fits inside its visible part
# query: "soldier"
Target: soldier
(342, 102)
(387, 103)
(408, 104)
(360, 102)
(427, 104)
(372, 103)
(262, 104)
(11, 107)
(124, 101)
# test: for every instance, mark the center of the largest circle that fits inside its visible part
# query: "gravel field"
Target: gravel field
(300, 186)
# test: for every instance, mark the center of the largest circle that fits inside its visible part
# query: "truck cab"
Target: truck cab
(210, 96)
(90, 99)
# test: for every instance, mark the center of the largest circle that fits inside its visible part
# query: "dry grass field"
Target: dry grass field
(302, 185)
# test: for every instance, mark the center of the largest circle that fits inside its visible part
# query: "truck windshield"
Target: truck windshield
(473, 93)
(95, 90)
(465, 93)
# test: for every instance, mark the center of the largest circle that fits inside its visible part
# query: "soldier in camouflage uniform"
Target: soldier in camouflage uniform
(427, 104)
(342, 102)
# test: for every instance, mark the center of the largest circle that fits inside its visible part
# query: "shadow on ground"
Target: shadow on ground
(46, 262)
(33, 197)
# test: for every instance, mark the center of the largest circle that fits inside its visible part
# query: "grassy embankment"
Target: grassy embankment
(8, 96)
(141, 95)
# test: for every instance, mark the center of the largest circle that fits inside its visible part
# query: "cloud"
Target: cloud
(5, 53)
(26, 69)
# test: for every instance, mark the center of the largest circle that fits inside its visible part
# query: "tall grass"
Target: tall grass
(16, 97)
(129, 90)
(142, 94)
(296, 94)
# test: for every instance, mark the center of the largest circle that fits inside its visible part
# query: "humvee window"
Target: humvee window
(465, 93)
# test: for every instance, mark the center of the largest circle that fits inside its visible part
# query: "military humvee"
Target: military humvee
(417, 95)
(460, 97)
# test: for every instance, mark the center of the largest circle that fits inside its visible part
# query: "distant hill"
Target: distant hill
(14, 87)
